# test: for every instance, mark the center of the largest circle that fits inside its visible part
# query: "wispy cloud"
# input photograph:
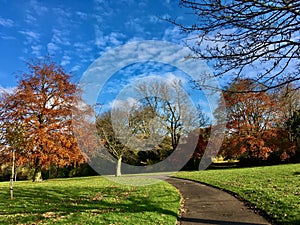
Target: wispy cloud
(75, 68)
(6, 22)
(134, 23)
(65, 60)
(36, 50)
(104, 8)
(7, 37)
(38, 7)
(29, 18)
(173, 34)
(52, 48)
(82, 15)
(123, 103)
(31, 36)
(62, 12)
(154, 19)
(112, 39)
(60, 37)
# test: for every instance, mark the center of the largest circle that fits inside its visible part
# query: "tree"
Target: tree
(42, 103)
(241, 36)
(252, 129)
(152, 126)
(294, 129)
(172, 105)
(114, 143)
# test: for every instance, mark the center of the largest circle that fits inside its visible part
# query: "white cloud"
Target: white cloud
(76, 68)
(126, 104)
(65, 60)
(154, 19)
(59, 37)
(112, 39)
(99, 1)
(173, 34)
(30, 19)
(6, 22)
(99, 41)
(171, 78)
(6, 37)
(60, 12)
(135, 24)
(82, 15)
(52, 48)
(31, 37)
(38, 8)
(36, 50)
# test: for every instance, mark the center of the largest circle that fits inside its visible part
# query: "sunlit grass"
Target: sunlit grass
(273, 189)
(92, 200)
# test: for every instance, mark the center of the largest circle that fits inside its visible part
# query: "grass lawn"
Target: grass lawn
(273, 189)
(90, 200)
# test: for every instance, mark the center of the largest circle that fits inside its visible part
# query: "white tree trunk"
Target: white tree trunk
(118, 167)
(12, 177)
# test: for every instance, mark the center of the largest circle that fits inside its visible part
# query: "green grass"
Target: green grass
(274, 189)
(91, 200)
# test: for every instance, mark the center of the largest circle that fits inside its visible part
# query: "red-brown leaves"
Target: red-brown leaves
(42, 105)
(253, 129)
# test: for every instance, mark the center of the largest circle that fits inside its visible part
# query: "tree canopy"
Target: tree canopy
(256, 127)
(41, 107)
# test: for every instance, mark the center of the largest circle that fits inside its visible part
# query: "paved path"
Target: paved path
(207, 205)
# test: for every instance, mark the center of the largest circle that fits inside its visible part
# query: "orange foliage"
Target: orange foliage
(252, 129)
(42, 105)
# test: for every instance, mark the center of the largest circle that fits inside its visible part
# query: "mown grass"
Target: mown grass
(273, 189)
(91, 200)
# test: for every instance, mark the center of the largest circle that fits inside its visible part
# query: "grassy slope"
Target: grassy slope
(92, 200)
(274, 189)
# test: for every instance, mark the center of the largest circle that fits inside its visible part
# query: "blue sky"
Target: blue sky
(75, 33)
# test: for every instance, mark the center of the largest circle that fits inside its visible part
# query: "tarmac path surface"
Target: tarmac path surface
(207, 205)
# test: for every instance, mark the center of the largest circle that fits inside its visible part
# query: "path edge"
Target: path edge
(249, 205)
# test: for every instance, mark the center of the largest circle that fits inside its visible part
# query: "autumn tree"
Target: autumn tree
(238, 37)
(252, 129)
(42, 103)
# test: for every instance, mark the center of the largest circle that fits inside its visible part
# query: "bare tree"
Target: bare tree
(241, 37)
(173, 106)
(163, 113)
(112, 138)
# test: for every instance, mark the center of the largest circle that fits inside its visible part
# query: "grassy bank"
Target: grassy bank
(274, 189)
(92, 200)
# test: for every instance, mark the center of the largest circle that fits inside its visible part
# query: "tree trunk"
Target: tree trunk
(12, 176)
(16, 174)
(297, 149)
(118, 167)
(37, 175)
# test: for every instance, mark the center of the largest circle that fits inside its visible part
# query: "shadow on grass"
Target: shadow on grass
(43, 203)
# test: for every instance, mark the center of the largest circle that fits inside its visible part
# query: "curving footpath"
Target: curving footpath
(208, 205)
